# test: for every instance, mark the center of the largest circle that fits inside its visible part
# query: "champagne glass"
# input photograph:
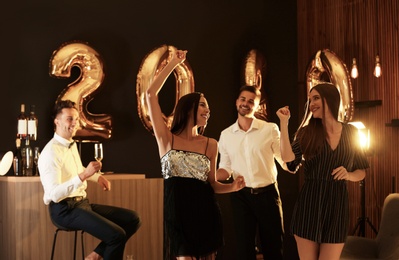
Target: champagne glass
(98, 152)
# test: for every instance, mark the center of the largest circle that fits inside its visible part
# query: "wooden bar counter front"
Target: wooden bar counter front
(27, 232)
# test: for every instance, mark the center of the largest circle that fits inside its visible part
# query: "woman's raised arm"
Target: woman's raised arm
(161, 132)
(285, 145)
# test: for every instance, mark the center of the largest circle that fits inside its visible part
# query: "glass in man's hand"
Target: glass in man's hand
(98, 152)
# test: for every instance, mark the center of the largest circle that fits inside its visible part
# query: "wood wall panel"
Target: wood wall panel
(27, 231)
(360, 29)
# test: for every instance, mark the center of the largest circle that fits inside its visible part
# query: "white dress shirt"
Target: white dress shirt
(59, 166)
(252, 153)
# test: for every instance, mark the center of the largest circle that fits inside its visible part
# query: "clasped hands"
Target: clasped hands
(238, 183)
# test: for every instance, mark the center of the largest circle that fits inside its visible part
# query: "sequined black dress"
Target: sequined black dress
(192, 220)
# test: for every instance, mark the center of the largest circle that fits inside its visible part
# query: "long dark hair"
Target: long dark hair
(187, 104)
(311, 136)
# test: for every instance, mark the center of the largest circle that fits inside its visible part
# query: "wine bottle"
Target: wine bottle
(28, 158)
(22, 123)
(32, 124)
(18, 162)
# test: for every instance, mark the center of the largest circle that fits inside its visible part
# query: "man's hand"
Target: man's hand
(238, 183)
(91, 169)
(104, 183)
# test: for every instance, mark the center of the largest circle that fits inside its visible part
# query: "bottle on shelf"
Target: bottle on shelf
(22, 123)
(36, 154)
(32, 124)
(27, 159)
(18, 162)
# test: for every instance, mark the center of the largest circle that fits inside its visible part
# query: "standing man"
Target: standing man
(249, 148)
(64, 181)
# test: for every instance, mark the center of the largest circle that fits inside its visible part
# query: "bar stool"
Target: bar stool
(61, 228)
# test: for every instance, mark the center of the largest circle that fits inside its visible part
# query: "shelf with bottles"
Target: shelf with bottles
(26, 155)
(27, 124)
(26, 158)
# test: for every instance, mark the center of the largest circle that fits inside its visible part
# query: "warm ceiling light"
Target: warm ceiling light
(377, 69)
(354, 71)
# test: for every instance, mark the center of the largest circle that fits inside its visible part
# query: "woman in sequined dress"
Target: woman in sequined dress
(192, 220)
(331, 158)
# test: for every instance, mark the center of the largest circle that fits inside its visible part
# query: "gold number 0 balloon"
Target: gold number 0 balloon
(149, 68)
(253, 70)
(93, 127)
(328, 67)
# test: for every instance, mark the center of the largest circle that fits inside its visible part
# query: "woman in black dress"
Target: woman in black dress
(331, 156)
(192, 221)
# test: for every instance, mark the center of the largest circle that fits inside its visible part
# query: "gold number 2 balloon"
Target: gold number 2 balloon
(93, 127)
(149, 68)
(328, 67)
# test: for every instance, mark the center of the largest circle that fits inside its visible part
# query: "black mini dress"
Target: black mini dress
(192, 219)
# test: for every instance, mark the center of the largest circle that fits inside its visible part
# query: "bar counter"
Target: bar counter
(27, 231)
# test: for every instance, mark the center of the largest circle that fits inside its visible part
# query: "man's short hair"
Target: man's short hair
(251, 89)
(61, 105)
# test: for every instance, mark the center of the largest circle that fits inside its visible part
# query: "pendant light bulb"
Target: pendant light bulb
(377, 69)
(354, 71)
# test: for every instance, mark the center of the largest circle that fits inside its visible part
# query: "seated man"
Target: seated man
(64, 181)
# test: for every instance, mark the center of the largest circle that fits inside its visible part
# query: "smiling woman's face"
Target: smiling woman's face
(315, 104)
(203, 112)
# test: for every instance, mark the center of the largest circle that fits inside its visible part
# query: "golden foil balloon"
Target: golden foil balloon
(150, 67)
(253, 69)
(328, 67)
(93, 127)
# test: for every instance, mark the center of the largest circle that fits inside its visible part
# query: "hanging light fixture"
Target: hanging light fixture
(354, 71)
(377, 69)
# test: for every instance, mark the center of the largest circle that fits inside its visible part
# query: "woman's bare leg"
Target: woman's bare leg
(307, 249)
(330, 251)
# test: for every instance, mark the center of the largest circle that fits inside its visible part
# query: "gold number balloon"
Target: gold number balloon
(93, 127)
(150, 67)
(328, 67)
(253, 70)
